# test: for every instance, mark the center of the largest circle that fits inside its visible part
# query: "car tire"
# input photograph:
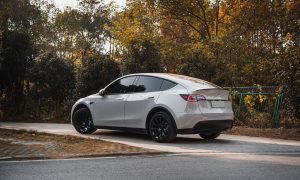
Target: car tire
(210, 135)
(161, 127)
(83, 122)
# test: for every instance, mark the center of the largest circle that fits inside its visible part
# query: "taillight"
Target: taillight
(230, 98)
(193, 97)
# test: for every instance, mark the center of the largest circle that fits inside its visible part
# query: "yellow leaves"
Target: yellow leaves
(135, 22)
(252, 100)
(289, 36)
(249, 102)
(262, 98)
(77, 63)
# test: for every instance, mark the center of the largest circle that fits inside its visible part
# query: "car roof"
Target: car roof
(188, 82)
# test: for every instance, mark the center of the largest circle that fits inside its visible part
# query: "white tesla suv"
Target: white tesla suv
(160, 104)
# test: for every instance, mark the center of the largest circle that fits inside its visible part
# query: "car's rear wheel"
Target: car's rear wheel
(211, 135)
(83, 121)
(161, 127)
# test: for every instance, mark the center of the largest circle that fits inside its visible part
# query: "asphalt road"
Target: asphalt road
(151, 167)
(228, 157)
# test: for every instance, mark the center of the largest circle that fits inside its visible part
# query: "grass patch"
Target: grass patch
(20, 144)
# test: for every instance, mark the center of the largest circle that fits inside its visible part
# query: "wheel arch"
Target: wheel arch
(157, 109)
(79, 106)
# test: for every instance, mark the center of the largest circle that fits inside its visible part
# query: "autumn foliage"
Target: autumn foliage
(228, 42)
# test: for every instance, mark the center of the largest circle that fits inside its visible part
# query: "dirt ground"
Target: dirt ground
(20, 144)
(281, 133)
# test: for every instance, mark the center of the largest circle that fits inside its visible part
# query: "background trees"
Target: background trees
(52, 81)
(142, 56)
(228, 42)
(80, 31)
(16, 58)
(96, 72)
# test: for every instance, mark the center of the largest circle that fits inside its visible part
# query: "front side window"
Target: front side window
(148, 84)
(121, 86)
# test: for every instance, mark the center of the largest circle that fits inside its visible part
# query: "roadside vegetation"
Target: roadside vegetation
(50, 57)
(280, 133)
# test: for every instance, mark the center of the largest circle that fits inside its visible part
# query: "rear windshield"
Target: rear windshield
(195, 80)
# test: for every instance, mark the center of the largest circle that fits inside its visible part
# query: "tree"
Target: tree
(138, 21)
(96, 72)
(198, 65)
(16, 58)
(196, 15)
(228, 42)
(52, 79)
(287, 73)
(143, 56)
(81, 31)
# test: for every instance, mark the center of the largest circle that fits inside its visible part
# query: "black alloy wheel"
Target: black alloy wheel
(83, 121)
(161, 127)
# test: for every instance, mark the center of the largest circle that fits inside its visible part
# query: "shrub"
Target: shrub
(96, 73)
(52, 82)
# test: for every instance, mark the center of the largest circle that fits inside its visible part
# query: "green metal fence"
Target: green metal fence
(259, 99)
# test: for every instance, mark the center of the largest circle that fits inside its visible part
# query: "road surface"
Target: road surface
(149, 167)
(228, 157)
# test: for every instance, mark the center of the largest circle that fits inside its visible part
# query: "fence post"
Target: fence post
(240, 104)
(278, 109)
(240, 91)
(276, 113)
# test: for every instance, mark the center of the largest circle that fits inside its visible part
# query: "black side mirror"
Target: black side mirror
(102, 92)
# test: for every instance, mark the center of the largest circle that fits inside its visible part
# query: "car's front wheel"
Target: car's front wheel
(161, 127)
(210, 135)
(83, 121)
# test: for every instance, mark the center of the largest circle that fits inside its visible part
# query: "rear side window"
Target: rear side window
(148, 84)
(167, 85)
(121, 86)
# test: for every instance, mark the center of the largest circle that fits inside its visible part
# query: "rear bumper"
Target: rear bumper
(208, 127)
(190, 119)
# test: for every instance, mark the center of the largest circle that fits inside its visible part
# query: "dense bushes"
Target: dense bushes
(199, 66)
(52, 82)
(50, 86)
(142, 56)
(96, 73)
(287, 72)
(16, 57)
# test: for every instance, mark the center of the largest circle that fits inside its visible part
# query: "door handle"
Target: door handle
(152, 97)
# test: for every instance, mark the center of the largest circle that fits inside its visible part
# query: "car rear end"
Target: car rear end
(208, 108)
